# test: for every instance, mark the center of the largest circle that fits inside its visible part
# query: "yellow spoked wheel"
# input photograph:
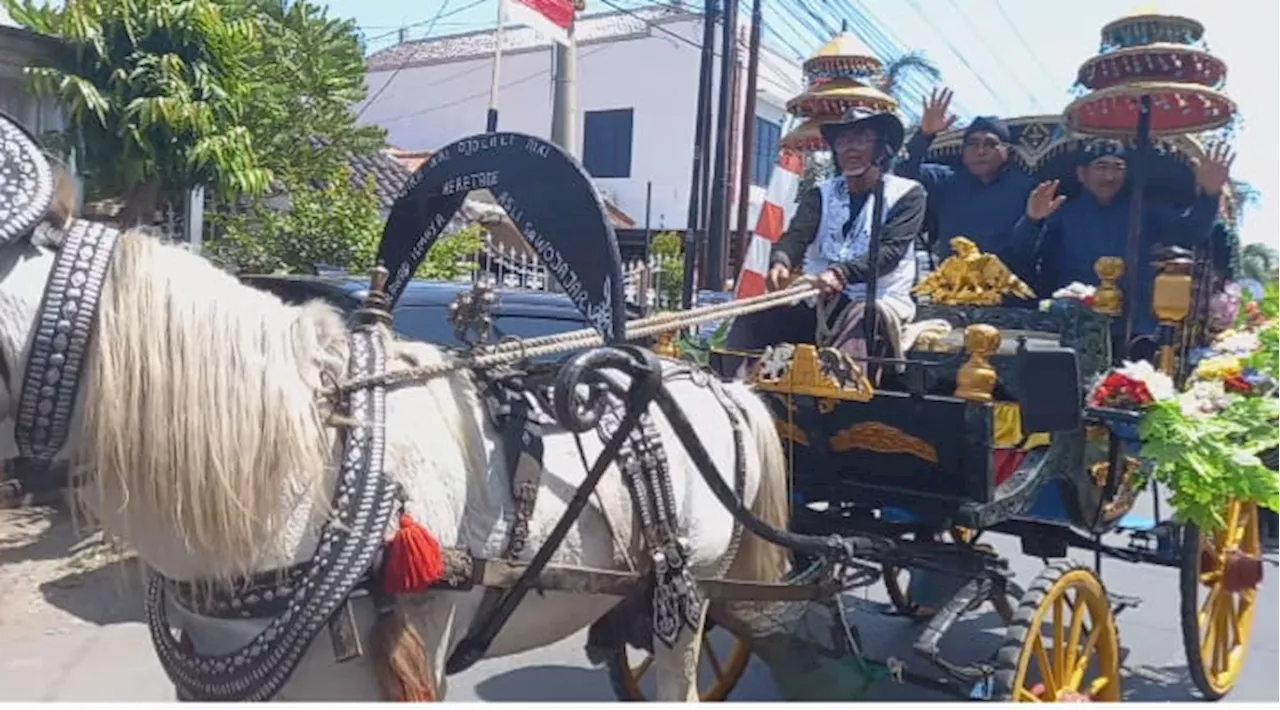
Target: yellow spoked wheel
(1220, 578)
(722, 662)
(1062, 645)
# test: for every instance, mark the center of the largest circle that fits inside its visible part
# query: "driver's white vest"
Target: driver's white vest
(832, 246)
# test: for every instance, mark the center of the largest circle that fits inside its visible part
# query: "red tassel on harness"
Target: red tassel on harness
(413, 559)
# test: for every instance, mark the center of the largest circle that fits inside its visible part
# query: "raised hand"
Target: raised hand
(1214, 170)
(1044, 200)
(935, 119)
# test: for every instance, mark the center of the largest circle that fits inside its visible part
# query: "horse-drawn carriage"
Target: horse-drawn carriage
(985, 426)
(464, 480)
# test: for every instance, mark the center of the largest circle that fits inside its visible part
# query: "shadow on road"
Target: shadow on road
(111, 594)
(544, 683)
(35, 534)
(1156, 685)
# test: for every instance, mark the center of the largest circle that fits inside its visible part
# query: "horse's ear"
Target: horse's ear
(48, 236)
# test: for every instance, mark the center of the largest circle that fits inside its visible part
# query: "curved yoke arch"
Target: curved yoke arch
(548, 196)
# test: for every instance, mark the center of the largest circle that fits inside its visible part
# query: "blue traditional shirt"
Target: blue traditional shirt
(961, 205)
(1072, 239)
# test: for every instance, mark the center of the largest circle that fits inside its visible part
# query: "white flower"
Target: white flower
(1158, 384)
(1236, 343)
(1075, 291)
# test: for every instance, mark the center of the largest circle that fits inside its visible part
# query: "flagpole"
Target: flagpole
(491, 120)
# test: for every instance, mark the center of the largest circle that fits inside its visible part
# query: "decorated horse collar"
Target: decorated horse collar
(65, 320)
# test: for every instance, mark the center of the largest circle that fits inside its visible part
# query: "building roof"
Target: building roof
(588, 29)
(385, 172)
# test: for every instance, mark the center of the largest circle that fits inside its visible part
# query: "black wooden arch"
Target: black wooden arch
(548, 196)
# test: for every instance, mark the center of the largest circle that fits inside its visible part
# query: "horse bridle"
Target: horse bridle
(68, 309)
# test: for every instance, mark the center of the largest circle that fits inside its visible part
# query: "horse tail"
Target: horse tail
(758, 560)
(401, 661)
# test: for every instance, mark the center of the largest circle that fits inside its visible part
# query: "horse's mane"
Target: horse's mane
(219, 444)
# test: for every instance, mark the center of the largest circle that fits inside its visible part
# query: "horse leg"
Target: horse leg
(677, 666)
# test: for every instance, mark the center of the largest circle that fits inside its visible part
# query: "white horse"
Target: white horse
(210, 454)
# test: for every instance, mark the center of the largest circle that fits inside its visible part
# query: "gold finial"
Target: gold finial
(374, 309)
(970, 278)
(977, 379)
(666, 346)
(1107, 299)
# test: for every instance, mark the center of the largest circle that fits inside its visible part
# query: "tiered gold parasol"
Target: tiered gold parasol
(840, 76)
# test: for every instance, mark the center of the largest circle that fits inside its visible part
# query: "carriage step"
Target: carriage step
(1120, 602)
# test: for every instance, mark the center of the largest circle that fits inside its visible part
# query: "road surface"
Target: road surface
(71, 630)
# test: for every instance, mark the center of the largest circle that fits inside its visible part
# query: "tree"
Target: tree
(892, 81)
(156, 93)
(1259, 262)
(164, 95)
(1243, 195)
(311, 72)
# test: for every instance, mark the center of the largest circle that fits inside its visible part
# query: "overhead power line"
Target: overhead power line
(408, 56)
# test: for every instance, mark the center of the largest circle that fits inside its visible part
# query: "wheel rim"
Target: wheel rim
(1080, 658)
(1224, 619)
(718, 672)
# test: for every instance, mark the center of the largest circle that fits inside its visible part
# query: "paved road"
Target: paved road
(108, 656)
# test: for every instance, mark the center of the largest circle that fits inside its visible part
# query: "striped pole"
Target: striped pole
(775, 212)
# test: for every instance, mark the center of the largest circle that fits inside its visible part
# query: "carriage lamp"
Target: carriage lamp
(1171, 303)
(374, 309)
(976, 380)
(1108, 300)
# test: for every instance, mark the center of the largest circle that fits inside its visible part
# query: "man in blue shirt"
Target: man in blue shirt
(1069, 236)
(983, 200)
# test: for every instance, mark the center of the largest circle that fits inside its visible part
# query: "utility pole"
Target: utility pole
(716, 233)
(701, 138)
(564, 102)
(749, 129)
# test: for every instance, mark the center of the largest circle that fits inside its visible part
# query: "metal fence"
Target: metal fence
(653, 284)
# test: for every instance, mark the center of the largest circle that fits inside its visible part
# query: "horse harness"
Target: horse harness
(301, 601)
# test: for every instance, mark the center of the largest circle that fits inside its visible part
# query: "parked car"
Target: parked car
(422, 312)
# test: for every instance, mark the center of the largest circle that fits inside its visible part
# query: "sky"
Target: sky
(1003, 57)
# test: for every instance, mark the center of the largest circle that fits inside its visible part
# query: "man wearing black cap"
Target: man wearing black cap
(1069, 238)
(985, 199)
(829, 237)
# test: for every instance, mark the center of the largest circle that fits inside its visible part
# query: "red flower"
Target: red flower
(1120, 392)
(1237, 383)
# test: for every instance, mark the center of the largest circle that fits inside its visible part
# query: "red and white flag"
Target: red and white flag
(549, 18)
(779, 204)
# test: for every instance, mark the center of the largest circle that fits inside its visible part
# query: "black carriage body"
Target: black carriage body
(925, 458)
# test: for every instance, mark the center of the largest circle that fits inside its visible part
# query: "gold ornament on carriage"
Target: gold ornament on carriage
(1108, 300)
(803, 369)
(970, 278)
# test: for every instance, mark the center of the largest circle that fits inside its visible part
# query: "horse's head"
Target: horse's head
(37, 203)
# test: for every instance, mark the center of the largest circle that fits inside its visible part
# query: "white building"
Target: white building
(637, 97)
(19, 49)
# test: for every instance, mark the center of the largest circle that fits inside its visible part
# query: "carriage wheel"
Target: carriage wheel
(1216, 626)
(718, 671)
(1062, 645)
(896, 584)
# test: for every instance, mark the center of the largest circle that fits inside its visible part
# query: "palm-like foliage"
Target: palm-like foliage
(896, 72)
(1259, 262)
(155, 92)
(164, 95)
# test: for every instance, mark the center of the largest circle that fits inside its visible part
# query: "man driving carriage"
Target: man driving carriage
(1065, 237)
(830, 237)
